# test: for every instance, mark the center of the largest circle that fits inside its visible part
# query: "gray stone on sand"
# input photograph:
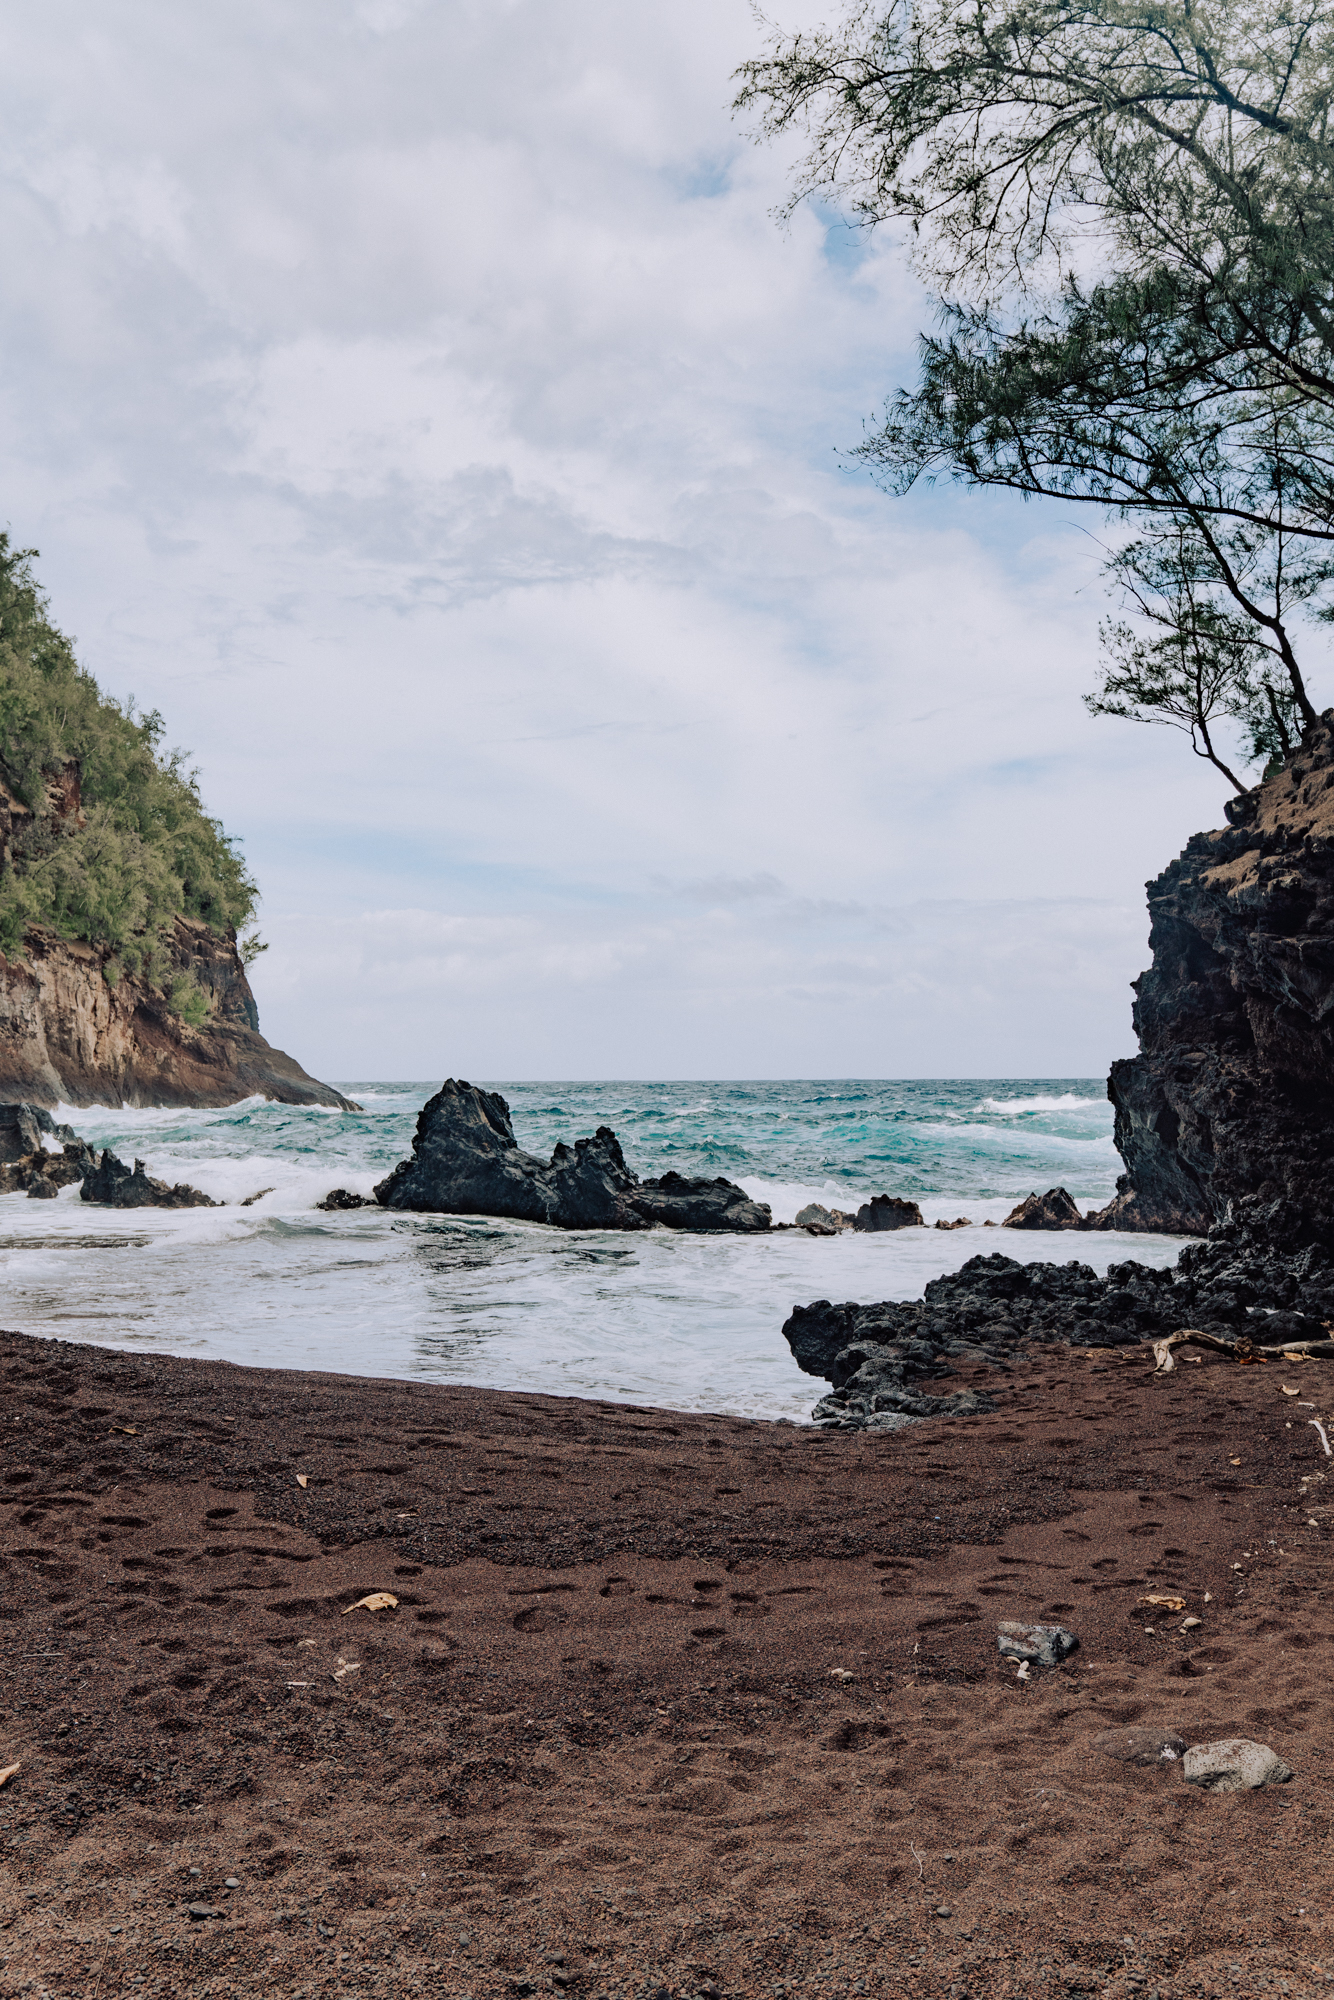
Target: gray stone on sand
(1234, 1764)
(1145, 1747)
(1040, 1645)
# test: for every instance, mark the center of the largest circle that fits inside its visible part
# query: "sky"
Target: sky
(420, 404)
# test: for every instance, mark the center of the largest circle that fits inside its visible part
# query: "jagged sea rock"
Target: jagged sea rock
(338, 1198)
(816, 1216)
(1231, 1097)
(22, 1129)
(113, 1185)
(1053, 1210)
(877, 1395)
(466, 1161)
(886, 1211)
(43, 1174)
(991, 1304)
(711, 1206)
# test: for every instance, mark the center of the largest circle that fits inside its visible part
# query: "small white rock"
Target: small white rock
(1233, 1765)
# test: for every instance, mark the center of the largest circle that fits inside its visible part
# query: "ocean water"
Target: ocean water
(683, 1322)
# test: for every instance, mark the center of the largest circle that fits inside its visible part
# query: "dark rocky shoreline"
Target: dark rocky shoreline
(1224, 1121)
(873, 1355)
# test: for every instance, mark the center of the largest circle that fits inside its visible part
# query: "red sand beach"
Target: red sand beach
(668, 1704)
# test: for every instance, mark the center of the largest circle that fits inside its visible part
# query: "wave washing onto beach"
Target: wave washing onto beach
(683, 1322)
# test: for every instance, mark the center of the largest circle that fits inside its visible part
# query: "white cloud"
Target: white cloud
(419, 405)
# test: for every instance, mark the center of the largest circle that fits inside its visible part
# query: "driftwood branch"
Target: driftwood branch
(1243, 1349)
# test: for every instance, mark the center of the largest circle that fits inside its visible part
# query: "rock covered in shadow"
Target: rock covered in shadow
(42, 1175)
(1053, 1210)
(886, 1211)
(987, 1307)
(341, 1198)
(466, 1161)
(710, 1207)
(877, 1391)
(1235, 1282)
(1232, 1093)
(882, 1211)
(112, 1185)
(22, 1129)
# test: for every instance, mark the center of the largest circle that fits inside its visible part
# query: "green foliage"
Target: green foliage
(1125, 210)
(145, 852)
(1187, 659)
(188, 1000)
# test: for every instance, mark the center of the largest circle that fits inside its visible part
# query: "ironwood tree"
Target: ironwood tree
(1126, 216)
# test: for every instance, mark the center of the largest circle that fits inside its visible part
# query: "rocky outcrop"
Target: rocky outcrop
(72, 1031)
(880, 1396)
(466, 1161)
(1236, 1282)
(1053, 1210)
(113, 1185)
(882, 1211)
(886, 1211)
(713, 1207)
(41, 1175)
(989, 1306)
(1231, 1098)
(22, 1129)
(1225, 1122)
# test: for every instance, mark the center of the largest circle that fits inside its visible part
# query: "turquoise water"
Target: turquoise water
(964, 1141)
(678, 1321)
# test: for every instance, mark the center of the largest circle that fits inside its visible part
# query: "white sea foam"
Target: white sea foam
(1020, 1143)
(1014, 1106)
(682, 1321)
(786, 1197)
(88, 1119)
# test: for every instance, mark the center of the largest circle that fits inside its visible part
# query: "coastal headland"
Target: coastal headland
(69, 1034)
(667, 1704)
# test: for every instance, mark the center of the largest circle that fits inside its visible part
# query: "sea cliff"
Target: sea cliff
(69, 1035)
(1232, 1094)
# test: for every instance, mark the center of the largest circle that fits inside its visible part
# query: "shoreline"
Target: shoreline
(671, 1701)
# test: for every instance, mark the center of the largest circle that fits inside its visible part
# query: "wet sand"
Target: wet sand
(669, 1704)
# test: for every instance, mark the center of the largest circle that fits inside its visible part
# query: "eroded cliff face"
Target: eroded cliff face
(1232, 1094)
(66, 1036)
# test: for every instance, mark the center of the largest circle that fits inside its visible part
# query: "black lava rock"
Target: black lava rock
(466, 1161)
(22, 1129)
(112, 1185)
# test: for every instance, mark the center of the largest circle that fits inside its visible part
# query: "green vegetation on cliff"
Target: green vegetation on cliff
(114, 843)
